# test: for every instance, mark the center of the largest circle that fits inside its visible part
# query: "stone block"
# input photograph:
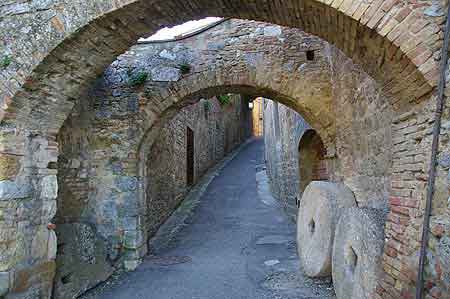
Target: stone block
(9, 166)
(131, 265)
(49, 185)
(444, 256)
(82, 261)
(165, 74)
(48, 210)
(130, 223)
(167, 55)
(26, 278)
(129, 205)
(14, 190)
(126, 183)
(272, 31)
(39, 245)
(8, 254)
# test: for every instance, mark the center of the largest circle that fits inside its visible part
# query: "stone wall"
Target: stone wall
(217, 130)
(361, 121)
(85, 257)
(87, 254)
(281, 152)
(363, 144)
(77, 40)
(121, 115)
(384, 160)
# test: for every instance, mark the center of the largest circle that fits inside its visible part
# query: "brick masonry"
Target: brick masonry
(405, 35)
(386, 99)
(384, 159)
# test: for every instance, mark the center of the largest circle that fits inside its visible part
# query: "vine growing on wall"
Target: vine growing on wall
(138, 78)
(5, 62)
(185, 68)
(224, 99)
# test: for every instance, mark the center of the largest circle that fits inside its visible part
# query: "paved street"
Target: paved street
(238, 244)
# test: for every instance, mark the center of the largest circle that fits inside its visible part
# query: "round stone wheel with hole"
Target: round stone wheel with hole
(357, 253)
(321, 205)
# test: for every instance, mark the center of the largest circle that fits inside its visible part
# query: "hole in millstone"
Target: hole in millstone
(352, 259)
(66, 279)
(312, 226)
(310, 55)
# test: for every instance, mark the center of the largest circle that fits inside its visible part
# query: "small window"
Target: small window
(310, 55)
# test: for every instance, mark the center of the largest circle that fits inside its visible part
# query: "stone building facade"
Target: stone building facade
(257, 115)
(370, 97)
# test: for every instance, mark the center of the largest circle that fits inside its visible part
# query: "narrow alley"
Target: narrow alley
(238, 244)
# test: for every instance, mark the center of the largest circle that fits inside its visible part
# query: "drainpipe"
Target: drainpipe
(434, 151)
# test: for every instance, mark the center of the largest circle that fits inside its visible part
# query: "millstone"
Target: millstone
(357, 253)
(321, 205)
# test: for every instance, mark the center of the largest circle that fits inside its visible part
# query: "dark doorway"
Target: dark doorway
(190, 156)
(312, 162)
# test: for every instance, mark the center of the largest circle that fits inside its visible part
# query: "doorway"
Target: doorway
(312, 163)
(189, 156)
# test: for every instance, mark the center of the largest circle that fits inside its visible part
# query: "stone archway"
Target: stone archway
(391, 40)
(357, 91)
(125, 119)
(40, 96)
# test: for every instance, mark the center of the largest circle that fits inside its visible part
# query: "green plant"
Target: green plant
(5, 62)
(224, 99)
(138, 79)
(185, 68)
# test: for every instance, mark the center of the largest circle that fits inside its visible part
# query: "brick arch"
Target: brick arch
(206, 85)
(202, 85)
(158, 100)
(311, 159)
(394, 42)
(243, 79)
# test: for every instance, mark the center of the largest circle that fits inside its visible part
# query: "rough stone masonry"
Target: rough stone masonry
(92, 230)
(393, 46)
